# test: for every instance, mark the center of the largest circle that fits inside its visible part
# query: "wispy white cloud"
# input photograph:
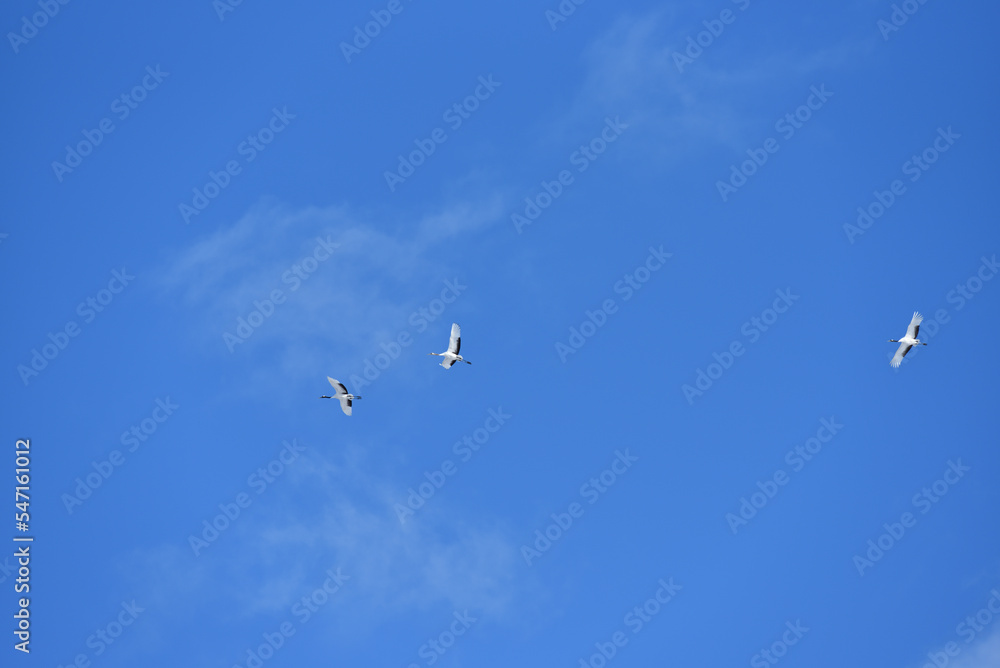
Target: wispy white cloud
(438, 557)
(977, 642)
(269, 558)
(984, 654)
(381, 267)
(631, 71)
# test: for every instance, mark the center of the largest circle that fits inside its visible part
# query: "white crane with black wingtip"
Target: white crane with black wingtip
(340, 392)
(454, 344)
(907, 341)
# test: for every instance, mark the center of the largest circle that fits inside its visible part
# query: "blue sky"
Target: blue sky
(679, 441)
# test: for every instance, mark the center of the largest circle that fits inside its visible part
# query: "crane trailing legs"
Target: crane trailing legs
(454, 345)
(340, 392)
(907, 341)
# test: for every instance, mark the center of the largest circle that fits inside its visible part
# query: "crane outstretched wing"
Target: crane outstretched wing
(338, 387)
(345, 405)
(455, 343)
(897, 359)
(914, 327)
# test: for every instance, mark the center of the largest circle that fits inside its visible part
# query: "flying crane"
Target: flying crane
(340, 392)
(907, 341)
(454, 344)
